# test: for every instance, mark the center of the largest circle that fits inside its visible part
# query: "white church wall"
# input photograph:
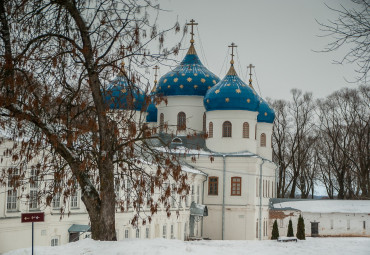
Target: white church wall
(192, 106)
(236, 143)
(266, 151)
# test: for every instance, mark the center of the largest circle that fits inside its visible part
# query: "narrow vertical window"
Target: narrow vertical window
(255, 132)
(213, 186)
(226, 129)
(245, 130)
(204, 122)
(172, 232)
(137, 233)
(161, 122)
(210, 130)
(198, 194)
(33, 190)
(236, 186)
(147, 233)
(364, 225)
(164, 232)
(263, 140)
(11, 203)
(181, 121)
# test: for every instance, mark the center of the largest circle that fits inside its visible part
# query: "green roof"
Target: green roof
(79, 228)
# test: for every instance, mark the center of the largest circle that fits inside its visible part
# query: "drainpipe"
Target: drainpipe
(223, 197)
(201, 231)
(276, 180)
(260, 209)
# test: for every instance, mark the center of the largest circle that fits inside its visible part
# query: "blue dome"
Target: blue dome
(231, 94)
(152, 109)
(121, 95)
(190, 78)
(265, 113)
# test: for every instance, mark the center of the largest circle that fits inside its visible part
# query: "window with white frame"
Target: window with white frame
(33, 201)
(54, 241)
(74, 199)
(147, 233)
(185, 231)
(11, 202)
(56, 200)
(164, 232)
(127, 233)
(172, 232)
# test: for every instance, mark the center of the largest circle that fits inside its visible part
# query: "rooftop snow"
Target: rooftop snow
(327, 206)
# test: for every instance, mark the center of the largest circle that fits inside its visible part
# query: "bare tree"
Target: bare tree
(351, 29)
(57, 59)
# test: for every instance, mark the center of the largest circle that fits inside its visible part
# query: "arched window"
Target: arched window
(263, 140)
(204, 122)
(161, 122)
(181, 121)
(177, 140)
(226, 129)
(210, 130)
(245, 130)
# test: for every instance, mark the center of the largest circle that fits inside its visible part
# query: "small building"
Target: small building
(324, 217)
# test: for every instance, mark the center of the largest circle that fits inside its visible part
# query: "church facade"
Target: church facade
(222, 131)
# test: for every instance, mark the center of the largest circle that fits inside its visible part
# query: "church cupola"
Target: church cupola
(231, 93)
(190, 78)
(152, 111)
(183, 111)
(121, 94)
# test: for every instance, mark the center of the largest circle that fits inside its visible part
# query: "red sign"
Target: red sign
(33, 217)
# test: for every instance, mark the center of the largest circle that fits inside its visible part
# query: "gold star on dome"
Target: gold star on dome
(207, 75)
(183, 74)
(248, 100)
(214, 82)
(134, 100)
(217, 91)
(189, 79)
(209, 87)
(165, 80)
(227, 100)
(207, 100)
(228, 85)
(203, 80)
(168, 86)
(181, 86)
(195, 86)
(123, 91)
(238, 91)
(265, 113)
(175, 80)
(171, 75)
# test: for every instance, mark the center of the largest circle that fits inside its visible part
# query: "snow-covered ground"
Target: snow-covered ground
(315, 246)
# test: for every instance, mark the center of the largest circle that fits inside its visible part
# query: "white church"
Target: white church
(228, 162)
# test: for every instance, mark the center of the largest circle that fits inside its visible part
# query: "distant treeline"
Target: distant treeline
(323, 142)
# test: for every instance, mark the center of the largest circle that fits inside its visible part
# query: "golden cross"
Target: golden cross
(250, 74)
(155, 74)
(192, 24)
(232, 52)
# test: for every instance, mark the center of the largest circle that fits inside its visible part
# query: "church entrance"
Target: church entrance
(314, 228)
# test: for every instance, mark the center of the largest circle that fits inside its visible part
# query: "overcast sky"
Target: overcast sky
(277, 36)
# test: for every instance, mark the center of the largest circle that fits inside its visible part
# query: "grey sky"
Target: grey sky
(278, 37)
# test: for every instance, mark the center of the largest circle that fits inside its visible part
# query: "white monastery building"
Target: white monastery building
(228, 159)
